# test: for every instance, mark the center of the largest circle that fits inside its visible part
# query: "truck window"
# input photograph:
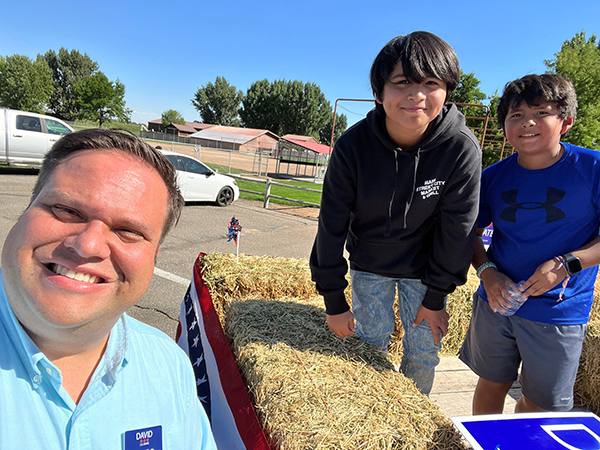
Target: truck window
(29, 123)
(55, 127)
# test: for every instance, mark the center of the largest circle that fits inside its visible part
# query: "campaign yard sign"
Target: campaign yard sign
(548, 431)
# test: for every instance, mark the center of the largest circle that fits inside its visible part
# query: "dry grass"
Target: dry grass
(587, 383)
(314, 390)
(311, 389)
(267, 278)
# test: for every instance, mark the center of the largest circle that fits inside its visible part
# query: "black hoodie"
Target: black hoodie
(402, 214)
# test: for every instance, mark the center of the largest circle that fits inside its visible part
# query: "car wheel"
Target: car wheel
(225, 196)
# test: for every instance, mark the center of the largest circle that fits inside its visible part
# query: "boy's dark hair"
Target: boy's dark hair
(536, 89)
(107, 140)
(422, 55)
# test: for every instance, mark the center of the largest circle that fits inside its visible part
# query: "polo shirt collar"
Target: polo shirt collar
(33, 359)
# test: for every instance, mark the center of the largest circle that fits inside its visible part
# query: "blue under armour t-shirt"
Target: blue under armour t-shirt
(537, 215)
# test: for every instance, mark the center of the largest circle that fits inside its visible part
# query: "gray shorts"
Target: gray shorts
(495, 346)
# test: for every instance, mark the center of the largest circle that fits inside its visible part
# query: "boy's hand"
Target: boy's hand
(495, 284)
(545, 277)
(342, 324)
(437, 321)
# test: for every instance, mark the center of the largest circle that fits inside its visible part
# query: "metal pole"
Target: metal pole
(267, 193)
(335, 113)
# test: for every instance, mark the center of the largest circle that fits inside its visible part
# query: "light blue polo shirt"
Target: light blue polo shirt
(143, 389)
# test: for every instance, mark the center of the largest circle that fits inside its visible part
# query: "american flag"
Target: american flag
(219, 383)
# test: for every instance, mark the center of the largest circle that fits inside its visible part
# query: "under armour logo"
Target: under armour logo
(553, 213)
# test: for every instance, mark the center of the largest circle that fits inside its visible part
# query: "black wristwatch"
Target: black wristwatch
(572, 263)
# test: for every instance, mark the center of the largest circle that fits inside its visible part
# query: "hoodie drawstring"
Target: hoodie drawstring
(388, 223)
(414, 188)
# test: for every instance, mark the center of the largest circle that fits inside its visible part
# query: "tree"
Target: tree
(218, 103)
(98, 98)
(579, 61)
(290, 107)
(341, 123)
(25, 84)
(468, 91)
(171, 116)
(68, 70)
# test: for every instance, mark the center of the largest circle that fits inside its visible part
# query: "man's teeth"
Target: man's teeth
(87, 278)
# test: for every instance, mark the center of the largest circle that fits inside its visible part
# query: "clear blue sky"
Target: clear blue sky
(164, 51)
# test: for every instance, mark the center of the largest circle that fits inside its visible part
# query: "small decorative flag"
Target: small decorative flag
(233, 232)
(233, 229)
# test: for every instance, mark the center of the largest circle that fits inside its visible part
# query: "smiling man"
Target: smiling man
(80, 373)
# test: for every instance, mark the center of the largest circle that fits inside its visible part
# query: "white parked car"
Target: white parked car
(199, 183)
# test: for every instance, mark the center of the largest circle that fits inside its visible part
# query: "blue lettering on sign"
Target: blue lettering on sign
(143, 438)
(548, 431)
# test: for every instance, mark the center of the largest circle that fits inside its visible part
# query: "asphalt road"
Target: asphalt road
(202, 228)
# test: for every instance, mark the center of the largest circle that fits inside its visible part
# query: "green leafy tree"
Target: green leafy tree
(101, 100)
(171, 116)
(290, 107)
(579, 61)
(341, 123)
(25, 84)
(468, 92)
(69, 68)
(218, 103)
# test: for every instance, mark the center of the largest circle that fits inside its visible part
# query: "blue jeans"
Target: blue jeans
(373, 308)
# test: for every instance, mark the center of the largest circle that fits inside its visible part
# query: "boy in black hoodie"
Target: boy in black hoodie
(401, 191)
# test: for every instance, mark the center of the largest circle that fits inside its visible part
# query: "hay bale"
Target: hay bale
(310, 388)
(314, 390)
(271, 278)
(587, 383)
(229, 278)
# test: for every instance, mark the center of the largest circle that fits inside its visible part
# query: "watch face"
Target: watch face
(573, 263)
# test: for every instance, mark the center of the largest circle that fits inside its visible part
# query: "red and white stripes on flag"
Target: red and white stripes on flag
(219, 383)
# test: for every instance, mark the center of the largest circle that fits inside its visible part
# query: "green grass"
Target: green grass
(312, 197)
(84, 125)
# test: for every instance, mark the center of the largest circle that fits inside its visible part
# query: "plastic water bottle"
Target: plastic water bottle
(516, 299)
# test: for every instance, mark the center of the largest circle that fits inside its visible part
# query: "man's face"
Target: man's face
(83, 251)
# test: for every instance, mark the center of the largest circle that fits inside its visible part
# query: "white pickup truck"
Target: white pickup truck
(25, 137)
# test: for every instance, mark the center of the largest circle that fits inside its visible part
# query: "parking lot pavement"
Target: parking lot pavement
(203, 228)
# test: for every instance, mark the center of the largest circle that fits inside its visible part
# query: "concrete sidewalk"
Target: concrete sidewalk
(454, 385)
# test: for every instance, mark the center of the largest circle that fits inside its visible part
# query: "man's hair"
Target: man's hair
(98, 139)
(422, 55)
(537, 89)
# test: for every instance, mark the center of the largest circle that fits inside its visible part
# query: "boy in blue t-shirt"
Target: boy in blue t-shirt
(544, 202)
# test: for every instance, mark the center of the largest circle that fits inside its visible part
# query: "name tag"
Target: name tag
(144, 439)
